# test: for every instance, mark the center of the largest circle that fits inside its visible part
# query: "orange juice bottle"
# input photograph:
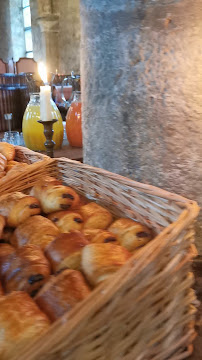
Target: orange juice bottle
(33, 135)
(74, 121)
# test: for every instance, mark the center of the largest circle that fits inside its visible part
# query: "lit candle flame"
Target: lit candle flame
(43, 72)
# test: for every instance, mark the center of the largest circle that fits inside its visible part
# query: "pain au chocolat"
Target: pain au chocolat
(100, 236)
(95, 216)
(36, 230)
(131, 234)
(99, 261)
(61, 293)
(17, 207)
(67, 221)
(25, 269)
(21, 322)
(65, 251)
(53, 196)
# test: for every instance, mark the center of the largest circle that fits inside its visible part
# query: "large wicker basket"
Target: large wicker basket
(146, 310)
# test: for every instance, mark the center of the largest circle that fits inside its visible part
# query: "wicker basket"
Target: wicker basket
(146, 310)
(39, 164)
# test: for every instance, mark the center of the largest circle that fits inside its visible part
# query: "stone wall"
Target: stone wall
(5, 36)
(12, 41)
(141, 70)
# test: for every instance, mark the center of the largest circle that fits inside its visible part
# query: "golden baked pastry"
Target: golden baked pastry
(11, 164)
(99, 261)
(19, 167)
(2, 174)
(8, 150)
(2, 225)
(3, 162)
(36, 230)
(65, 251)
(61, 293)
(131, 234)
(95, 216)
(25, 269)
(21, 322)
(67, 221)
(100, 236)
(5, 251)
(17, 207)
(53, 196)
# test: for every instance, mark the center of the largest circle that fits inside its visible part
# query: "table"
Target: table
(69, 152)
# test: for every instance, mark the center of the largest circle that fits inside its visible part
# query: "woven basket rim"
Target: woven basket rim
(149, 189)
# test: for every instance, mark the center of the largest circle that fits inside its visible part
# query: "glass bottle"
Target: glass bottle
(33, 131)
(74, 121)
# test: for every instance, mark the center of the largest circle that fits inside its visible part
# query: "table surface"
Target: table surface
(70, 152)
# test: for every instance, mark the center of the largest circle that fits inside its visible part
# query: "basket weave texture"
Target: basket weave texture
(146, 310)
(38, 165)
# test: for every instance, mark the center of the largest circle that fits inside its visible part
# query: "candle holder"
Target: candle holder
(48, 132)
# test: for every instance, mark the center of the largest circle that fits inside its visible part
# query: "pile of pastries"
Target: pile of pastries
(55, 247)
(7, 163)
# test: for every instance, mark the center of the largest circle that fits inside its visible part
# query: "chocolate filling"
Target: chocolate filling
(65, 206)
(110, 239)
(55, 219)
(68, 196)
(142, 234)
(35, 278)
(78, 220)
(34, 206)
(61, 270)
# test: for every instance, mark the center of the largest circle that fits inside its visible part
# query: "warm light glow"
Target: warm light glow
(43, 72)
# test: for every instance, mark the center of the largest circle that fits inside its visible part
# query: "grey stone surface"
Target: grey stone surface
(142, 91)
(5, 36)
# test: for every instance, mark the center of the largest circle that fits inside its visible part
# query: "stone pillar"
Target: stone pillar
(5, 34)
(141, 74)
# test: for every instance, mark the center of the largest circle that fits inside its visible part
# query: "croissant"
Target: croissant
(62, 293)
(95, 216)
(67, 221)
(36, 230)
(99, 261)
(100, 236)
(17, 207)
(25, 269)
(8, 150)
(65, 251)
(53, 196)
(21, 322)
(3, 162)
(5, 251)
(131, 234)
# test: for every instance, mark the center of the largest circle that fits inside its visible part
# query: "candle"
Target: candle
(45, 95)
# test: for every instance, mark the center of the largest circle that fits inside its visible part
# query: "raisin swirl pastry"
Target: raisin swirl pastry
(65, 251)
(131, 234)
(21, 322)
(25, 269)
(36, 230)
(100, 261)
(95, 216)
(53, 196)
(61, 293)
(17, 207)
(66, 221)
